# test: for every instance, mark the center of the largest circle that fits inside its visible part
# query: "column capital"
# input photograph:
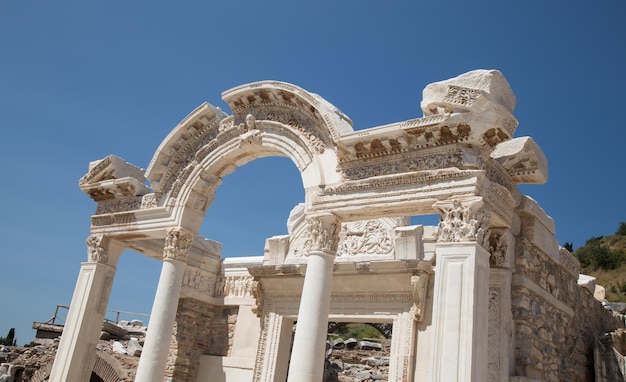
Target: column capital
(324, 231)
(97, 249)
(177, 243)
(463, 220)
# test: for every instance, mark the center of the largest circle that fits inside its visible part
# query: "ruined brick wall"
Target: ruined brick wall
(200, 329)
(556, 320)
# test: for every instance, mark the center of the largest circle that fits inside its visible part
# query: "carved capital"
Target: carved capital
(97, 249)
(177, 244)
(324, 231)
(463, 220)
(419, 289)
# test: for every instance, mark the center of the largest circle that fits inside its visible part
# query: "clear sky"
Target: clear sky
(81, 80)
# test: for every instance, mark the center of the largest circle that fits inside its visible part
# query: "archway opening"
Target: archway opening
(252, 204)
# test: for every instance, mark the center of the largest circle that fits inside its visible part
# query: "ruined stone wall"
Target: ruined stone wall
(556, 320)
(200, 329)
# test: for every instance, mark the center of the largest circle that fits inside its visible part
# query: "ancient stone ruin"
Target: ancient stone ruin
(485, 295)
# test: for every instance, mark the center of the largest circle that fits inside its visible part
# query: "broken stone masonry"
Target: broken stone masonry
(485, 295)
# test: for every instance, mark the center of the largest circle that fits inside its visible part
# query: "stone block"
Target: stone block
(409, 242)
(134, 348)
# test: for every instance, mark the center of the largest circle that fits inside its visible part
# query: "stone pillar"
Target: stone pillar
(156, 348)
(460, 311)
(76, 354)
(309, 345)
(501, 347)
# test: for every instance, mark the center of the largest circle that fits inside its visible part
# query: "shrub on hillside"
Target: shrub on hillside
(595, 255)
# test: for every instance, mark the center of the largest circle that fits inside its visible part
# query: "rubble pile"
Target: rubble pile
(357, 365)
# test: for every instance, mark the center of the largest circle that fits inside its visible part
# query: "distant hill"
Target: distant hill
(604, 258)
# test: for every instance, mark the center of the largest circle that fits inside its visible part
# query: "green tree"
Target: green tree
(9, 340)
(621, 231)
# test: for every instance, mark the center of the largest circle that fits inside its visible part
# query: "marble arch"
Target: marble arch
(351, 254)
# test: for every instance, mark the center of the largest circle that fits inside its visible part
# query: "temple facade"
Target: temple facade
(487, 294)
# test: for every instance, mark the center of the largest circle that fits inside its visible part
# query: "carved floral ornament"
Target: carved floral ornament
(177, 244)
(466, 220)
(324, 233)
(96, 250)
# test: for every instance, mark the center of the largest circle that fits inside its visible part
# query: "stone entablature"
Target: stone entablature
(489, 278)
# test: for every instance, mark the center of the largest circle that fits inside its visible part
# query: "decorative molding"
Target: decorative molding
(349, 187)
(96, 249)
(112, 219)
(459, 95)
(177, 243)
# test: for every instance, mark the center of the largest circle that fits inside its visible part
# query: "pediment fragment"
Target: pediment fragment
(523, 160)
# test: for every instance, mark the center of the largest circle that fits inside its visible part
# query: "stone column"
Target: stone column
(501, 347)
(156, 348)
(309, 345)
(460, 311)
(76, 354)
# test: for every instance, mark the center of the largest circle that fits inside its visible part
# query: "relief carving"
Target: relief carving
(442, 158)
(419, 289)
(498, 246)
(199, 280)
(365, 238)
(494, 339)
(96, 250)
(177, 244)
(460, 95)
(235, 286)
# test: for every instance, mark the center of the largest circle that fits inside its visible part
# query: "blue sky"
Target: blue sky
(82, 80)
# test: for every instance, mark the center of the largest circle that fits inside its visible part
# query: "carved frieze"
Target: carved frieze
(351, 186)
(199, 280)
(365, 238)
(431, 160)
(119, 205)
(235, 286)
(463, 221)
(177, 243)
